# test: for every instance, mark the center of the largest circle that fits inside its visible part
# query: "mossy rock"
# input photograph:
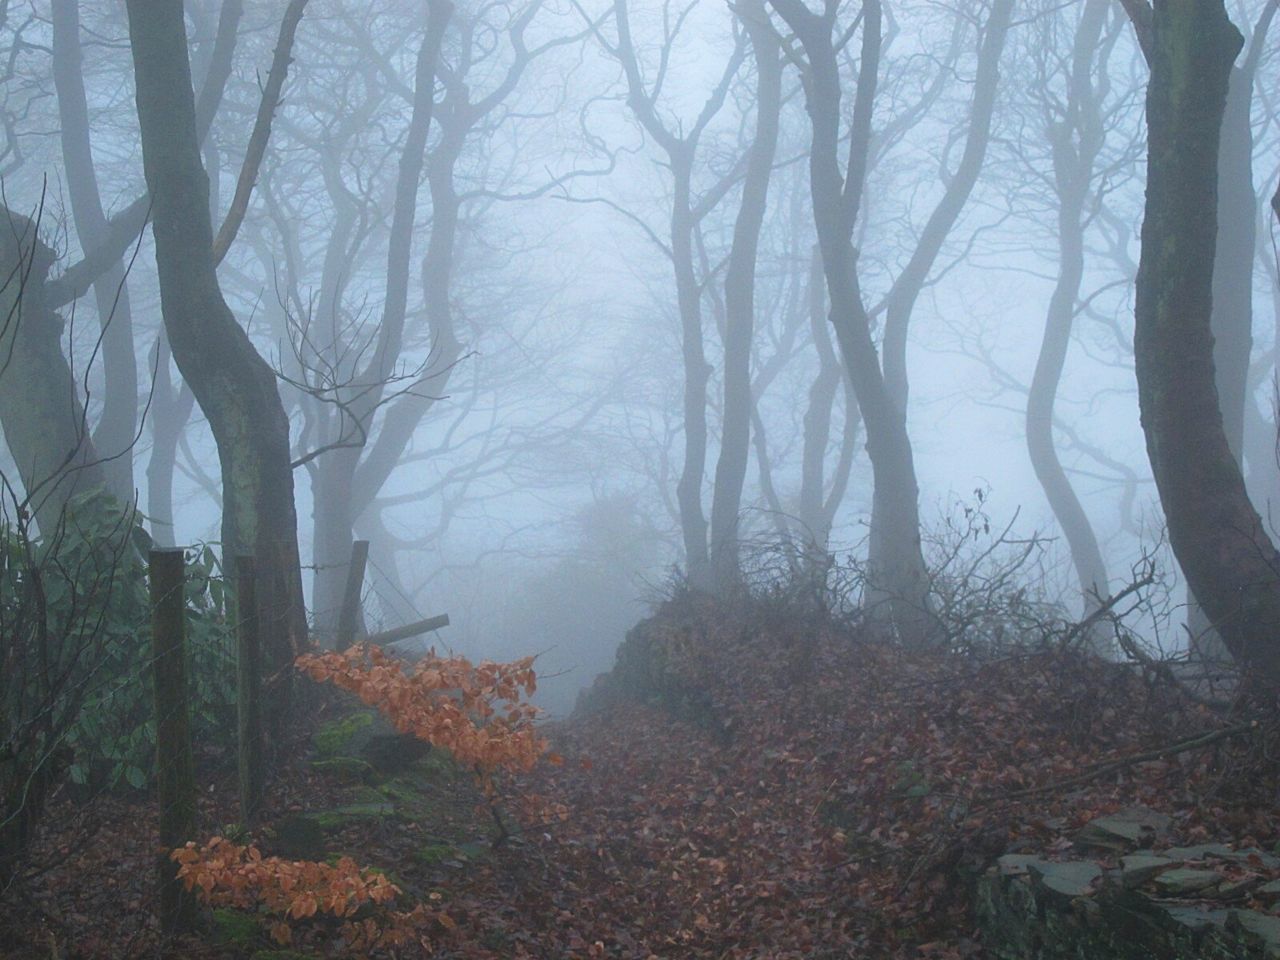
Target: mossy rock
(391, 753)
(345, 769)
(298, 837)
(235, 928)
(345, 736)
(435, 853)
(339, 817)
(365, 737)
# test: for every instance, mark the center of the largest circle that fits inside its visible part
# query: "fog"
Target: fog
(637, 479)
(511, 439)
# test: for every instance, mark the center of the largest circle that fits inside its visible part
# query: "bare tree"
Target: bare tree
(1229, 561)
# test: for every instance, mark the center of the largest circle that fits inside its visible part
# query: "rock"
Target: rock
(1125, 830)
(1256, 857)
(344, 736)
(1268, 892)
(1074, 878)
(1237, 888)
(1201, 851)
(1183, 881)
(235, 927)
(1262, 925)
(1136, 869)
(1028, 921)
(339, 817)
(345, 769)
(1017, 864)
(297, 837)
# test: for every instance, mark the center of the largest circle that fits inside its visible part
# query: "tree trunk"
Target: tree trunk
(1217, 536)
(171, 406)
(697, 373)
(117, 428)
(40, 408)
(1075, 143)
(898, 586)
(739, 297)
(235, 387)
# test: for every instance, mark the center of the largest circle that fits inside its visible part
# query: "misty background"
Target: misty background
(518, 468)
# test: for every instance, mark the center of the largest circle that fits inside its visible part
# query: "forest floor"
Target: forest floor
(807, 795)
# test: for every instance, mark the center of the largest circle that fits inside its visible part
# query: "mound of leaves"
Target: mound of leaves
(832, 797)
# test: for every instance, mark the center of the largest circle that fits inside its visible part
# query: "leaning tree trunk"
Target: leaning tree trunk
(1217, 536)
(233, 384)
(41, 412)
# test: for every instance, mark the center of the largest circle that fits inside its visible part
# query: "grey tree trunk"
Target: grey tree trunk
(117, 427)
(739, 297)
(41, 411)
(906, 289)
(1217, 536)
(1232, 322)
(235, 387)
(899, 585)
(1075, 143)
(818, 502)
(347, 480)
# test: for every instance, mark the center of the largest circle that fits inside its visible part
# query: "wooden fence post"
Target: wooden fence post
(175, 767)
(350, 612)
(249, 741)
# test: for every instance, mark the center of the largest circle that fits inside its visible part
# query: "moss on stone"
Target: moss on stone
(343, 737)
(298, 837)
(235, 927)
(345, 769)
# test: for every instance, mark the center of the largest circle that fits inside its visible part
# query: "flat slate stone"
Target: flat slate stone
(1264, 926)
(1074, 878)
(1183, 880)
(1136, 869)
(1017, 864)
(1200, 852)
(1124, 830)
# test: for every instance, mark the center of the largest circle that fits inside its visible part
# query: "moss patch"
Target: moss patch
(339, 817)
(344, 736)
(235, 927)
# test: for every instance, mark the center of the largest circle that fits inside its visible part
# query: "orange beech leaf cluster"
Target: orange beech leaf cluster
(225, 874)
(477, 712)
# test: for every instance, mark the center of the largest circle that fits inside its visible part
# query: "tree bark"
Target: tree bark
(117, 427)
(898, 585)
(1217, 536)
(1075, 142)
(347, 480)
(41, 411)
(739, 297)
(235, 387)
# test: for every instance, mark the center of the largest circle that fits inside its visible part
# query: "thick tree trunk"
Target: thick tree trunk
(41, 412)
(1217, 536)
(235, 387)
(739, 297)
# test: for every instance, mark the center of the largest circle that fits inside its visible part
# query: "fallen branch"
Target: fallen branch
(1110, 766)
